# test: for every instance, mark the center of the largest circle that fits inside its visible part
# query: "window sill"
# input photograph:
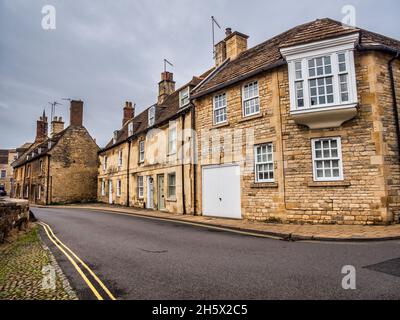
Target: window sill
(264, 185)
(325, 117)
(252, 117)
(329, 184)
(171, 200)
(220, 125)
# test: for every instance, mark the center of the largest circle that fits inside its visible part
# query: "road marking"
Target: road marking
(102, 285)
(90, 285)
(258, 235)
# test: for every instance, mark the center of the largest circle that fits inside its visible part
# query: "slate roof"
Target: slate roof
(267, 55)
(32, 152)
(166, 111)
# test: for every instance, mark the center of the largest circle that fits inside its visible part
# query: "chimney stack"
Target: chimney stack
(233, 45)
(76, 113)
(57, 125)
(41, 128)
(166, 86)
(129, 112)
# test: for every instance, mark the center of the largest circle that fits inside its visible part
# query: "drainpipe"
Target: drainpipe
(48, 180)
(395, 107)
(127, 173)
(183, 164)
(194, 161)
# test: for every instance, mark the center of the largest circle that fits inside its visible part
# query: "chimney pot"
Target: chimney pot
(166, 86)
(41, 129)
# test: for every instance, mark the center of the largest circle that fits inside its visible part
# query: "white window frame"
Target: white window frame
(105, 158)
(184, 97)
(141, 151)
(120, 159)
(103, 187)
(119, 186)
(130, 129)
(332, 48)
(172, 138)
(251, 98)
(140, 187)
(330, 158)
(152, 116)
(39, 195)
(267, 162)
(170, 196)
(219, 108)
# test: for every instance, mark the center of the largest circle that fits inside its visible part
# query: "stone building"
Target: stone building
(148, 162)
(60, 168)
(301, 128)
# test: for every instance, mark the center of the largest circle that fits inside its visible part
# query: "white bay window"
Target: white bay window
(322, 82)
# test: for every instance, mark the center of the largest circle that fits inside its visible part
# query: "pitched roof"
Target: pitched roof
(33, 153)
(166, 111)
(267, 55)
(3, 156)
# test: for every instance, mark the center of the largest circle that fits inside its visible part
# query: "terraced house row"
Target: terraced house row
(301, 128)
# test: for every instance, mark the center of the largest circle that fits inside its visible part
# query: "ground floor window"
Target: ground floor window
(140, 187)
(103, 187)
(172, 185)
(264, 163)
(39, 195)
(327, 159)
(119, 188)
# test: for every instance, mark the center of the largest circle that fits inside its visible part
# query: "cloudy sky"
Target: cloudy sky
(106, 52)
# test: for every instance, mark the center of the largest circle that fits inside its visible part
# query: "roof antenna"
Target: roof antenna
(214, 23)
(165, 65)
(53, 104)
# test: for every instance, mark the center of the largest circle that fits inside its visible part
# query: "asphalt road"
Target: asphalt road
(139, 258)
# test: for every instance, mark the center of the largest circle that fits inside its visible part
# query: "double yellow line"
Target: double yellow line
(74, 259)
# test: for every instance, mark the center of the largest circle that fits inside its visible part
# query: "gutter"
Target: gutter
(127, 174)
(194, 159)
(394, 97)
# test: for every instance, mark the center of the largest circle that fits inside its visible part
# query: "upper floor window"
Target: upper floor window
(40, 166)
(327, 159)
(264, 163)
(28, 173)
(105, 162)
(152, 116)
(251, 101)
(184, 96)
(220, 108)
(322, 78)
(3, 174)
(172, 138)
(141, 151)
(130, 129)
(120, 158)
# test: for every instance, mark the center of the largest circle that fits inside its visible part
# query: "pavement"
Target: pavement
(292, 232)
(138, 257)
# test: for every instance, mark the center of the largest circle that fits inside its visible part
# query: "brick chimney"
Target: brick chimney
(41, 128)
(233, 44)
(166, 86)
(57, 125)
(76, 113)
(129, 112)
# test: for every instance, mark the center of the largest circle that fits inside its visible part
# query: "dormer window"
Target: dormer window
(39, 150)
(322, 82)
(152, 116)
(130, 129)
(115, 137)
(184, 97)
(49, 145)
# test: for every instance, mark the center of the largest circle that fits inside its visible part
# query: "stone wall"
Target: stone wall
(369, 193)
(11, 212)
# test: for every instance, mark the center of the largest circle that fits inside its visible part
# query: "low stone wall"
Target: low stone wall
(13, 213)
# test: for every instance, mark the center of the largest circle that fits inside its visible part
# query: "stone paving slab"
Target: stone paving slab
(280, 231)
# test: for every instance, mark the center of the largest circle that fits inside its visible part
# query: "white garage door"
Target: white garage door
(221, 192)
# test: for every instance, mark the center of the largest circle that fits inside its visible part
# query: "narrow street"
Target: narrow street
(138, 258)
